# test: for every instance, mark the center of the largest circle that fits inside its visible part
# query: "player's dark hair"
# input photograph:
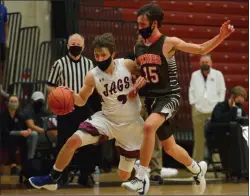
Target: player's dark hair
(153, 12)
(105, 40)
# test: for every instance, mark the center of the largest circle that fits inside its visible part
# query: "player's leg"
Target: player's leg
(165, 134)
(126, 168)
(78, 139)
(161, 109)
(181, 155)
(88, 133)
(152, 123)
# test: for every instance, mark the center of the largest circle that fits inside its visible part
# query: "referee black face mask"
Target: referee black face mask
(75, 50)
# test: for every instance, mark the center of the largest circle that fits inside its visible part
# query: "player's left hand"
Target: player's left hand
(140, 82)
(132, 94)
(226, 29)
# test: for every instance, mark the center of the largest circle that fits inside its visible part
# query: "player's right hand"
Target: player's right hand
(65, 87)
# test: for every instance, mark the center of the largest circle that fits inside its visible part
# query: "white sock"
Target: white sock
(59, 170)
(142, 171)
(194, 167)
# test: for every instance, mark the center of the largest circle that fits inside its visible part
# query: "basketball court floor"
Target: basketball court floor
(110, 185)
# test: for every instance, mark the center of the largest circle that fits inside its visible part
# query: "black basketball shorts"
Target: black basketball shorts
(167, 105)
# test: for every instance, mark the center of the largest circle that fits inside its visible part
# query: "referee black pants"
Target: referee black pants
(67, 125)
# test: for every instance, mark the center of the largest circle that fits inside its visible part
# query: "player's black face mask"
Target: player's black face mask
(75, 50)
(103, 65)
(146, 32)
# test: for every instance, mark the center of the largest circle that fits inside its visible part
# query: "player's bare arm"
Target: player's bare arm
(174, 43)
(134, 69)
(50, 88)
(86, 90)
(132, 66)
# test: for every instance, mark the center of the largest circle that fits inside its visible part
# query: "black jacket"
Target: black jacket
(8, 124)
(223, 113)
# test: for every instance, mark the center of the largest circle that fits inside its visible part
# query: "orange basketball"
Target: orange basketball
(61, 101)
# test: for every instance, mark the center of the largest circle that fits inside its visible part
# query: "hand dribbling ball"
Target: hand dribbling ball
(61, 101)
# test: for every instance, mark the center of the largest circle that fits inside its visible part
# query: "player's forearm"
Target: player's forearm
(50, 88)
(208, 46)
(80, 101)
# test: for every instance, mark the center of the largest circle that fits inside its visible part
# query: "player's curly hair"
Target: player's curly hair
(153, 12)
(105, 40)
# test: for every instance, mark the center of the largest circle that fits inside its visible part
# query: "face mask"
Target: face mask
(146, 32)
(103, 65)
(75, 50)
(205, 67)
(13, 106)
(38, 105)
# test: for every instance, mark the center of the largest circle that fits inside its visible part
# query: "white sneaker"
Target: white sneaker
(137, 185)
(200, 177)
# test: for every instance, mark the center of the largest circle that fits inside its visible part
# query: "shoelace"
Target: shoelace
(135, 180)
(196, 179)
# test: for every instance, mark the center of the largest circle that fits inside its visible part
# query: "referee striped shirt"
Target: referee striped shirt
(70, 73)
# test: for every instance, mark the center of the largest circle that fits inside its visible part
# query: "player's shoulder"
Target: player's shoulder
(169, 40)
(90, 77)
(120, 61)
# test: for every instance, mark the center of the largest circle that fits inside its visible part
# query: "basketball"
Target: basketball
(61, 101)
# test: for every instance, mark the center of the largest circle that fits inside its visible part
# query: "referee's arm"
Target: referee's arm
(52, 82)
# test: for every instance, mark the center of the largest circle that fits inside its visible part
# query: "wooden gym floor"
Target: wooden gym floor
(110, 185)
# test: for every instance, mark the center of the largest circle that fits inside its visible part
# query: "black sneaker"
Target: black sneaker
(86, 181)
(156, 180)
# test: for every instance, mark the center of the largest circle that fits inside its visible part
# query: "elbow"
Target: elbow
(202, 50)
(79, 101)
(80, 104)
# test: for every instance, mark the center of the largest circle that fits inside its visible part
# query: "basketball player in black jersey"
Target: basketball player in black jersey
(155, 56)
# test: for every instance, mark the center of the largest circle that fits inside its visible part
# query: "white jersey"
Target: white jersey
(114, 90)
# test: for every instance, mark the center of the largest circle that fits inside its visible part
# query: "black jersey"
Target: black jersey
(160, 72)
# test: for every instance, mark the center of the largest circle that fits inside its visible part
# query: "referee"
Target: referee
(70, 71)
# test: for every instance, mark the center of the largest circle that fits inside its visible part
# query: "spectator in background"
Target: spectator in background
(207, 88)
(33, 113)
(14, 133)
(231, 109)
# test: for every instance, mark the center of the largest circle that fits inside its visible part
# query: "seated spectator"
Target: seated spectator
(230, 110)
(33, 115)
(13, 132)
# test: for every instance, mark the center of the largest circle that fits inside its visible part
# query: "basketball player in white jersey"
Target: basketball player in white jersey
(119, 119)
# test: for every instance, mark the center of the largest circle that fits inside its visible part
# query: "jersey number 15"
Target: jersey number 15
(151, 74)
